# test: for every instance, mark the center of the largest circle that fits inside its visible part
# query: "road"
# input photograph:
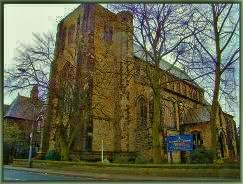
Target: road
(35, 174)
(16, 175)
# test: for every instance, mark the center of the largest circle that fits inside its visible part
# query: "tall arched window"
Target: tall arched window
(142, 112)
(181, 112)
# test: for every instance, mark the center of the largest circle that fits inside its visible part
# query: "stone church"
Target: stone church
(94, 51)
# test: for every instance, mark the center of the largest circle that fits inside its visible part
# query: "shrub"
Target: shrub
(140, 159)
(219, 161)
(123, 159)
(201, 156)
(120, 159)
(52, 155)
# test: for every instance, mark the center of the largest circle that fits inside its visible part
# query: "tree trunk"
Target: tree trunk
(155, 130)
(156, 120)
(64, 152)
(215, 103)
(214, 112)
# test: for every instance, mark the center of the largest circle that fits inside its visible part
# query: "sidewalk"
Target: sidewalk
(94, 175)
(112, 177)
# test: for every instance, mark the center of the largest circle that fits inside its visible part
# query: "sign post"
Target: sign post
(102, 151)
(179, 143)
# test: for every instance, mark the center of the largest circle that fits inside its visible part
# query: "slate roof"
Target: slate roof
(197, 115)
(165, 65)
(21, 108)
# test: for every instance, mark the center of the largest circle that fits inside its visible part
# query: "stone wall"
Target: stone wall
(203, 128)
(110, 77)
(102, 130)
(231, 136)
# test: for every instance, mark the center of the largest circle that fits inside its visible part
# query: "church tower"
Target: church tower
(93, 48)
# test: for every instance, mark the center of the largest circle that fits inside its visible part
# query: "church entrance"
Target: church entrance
(197, 139)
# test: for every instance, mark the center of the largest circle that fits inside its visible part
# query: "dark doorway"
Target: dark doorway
(88, 145)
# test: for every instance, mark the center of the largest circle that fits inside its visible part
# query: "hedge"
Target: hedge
(99, 164)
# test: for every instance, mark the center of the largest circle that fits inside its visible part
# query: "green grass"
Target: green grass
(163, 170)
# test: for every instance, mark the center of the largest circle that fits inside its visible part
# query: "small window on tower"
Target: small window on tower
(108, 33)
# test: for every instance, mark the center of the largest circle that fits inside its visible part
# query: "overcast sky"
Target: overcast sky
(21, 20)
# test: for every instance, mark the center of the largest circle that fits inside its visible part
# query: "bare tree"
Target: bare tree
(32, 65)
(214, 55)
(33, 68)
(73, 107)
(160, 31)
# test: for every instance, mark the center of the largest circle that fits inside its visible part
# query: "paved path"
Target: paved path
(17, 175)
(35, 174)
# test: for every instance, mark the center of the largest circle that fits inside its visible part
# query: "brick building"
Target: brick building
(24, 112)
(93, 51)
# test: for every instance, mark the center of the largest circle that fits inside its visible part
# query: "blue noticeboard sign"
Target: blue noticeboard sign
(179, 143)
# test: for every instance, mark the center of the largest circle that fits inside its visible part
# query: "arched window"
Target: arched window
(181, 111)
(142, 112)
(66, 91)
